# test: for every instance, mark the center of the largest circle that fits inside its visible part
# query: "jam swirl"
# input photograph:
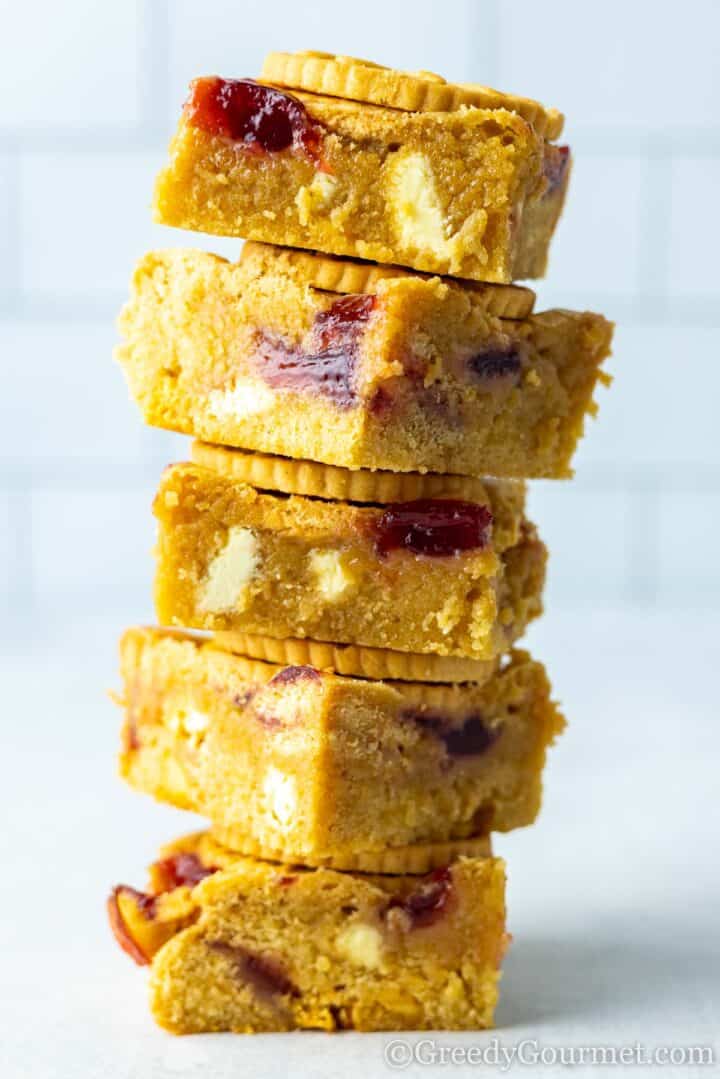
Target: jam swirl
(427, 904)
(433, 526)
(473, 738)
(326, 362)
(263, 119)
(555, 166)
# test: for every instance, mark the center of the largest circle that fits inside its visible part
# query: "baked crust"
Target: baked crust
(330, 273)
(419, 91)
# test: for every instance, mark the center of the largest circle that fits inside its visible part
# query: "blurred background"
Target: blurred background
(90, 95)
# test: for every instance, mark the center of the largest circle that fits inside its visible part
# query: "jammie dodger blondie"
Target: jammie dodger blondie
(243, 945)
(303, 765)
(471, 188)
(359, 366)
(446, 575)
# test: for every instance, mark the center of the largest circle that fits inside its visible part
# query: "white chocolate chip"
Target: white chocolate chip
(416, 209)
(230, 572)
(192, 723)
(195, 722)
(362, 945)
(281, 794)
(246, 398)
(315, 196)
(333, 575)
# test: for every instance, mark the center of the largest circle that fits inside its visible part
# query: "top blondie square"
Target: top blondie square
(348, 158)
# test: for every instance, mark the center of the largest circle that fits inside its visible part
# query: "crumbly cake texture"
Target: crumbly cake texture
(231, 557)
(473, 192)
(415, 375)
(302, 765)
(236, 944)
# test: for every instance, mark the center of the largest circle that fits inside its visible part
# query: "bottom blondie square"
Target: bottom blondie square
(236, 944)
(297, 764)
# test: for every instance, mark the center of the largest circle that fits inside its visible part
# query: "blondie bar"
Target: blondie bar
(471, 188)
(442, 575)
(243, 945)
(363, 367)
(302, 765)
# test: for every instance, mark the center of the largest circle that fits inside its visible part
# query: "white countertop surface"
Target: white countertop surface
(614, 896)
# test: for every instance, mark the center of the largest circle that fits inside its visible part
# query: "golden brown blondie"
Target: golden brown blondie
(413, 374)
(302, 765)
(243, 945)
(471, 189)
(442, 575)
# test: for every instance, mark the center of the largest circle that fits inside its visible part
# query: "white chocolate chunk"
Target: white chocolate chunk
(192, 723)
(230, 572)
(362, 945)
(246, 398)
(332, 574)
(416, 210)
(315, 196)
(281, 794)
(195, 722)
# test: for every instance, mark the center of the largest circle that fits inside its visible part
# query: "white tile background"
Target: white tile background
(86, 109)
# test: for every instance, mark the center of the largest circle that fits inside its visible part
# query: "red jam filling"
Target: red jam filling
(473, 738)
(428, 903)
(145, 904)
(263, 972)
(288, 675)
(327, 363)
(433, 526)
(555, 165)
(180, 869)
(496, 363)
(263, 119)
(130, 738)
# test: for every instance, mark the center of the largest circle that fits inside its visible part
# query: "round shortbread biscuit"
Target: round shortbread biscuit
(358, 661)
(331, 482)
(421, 91)
(332, 273)
(413, 860)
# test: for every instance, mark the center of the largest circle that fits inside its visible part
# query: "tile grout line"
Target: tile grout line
(642, 561)
(643, 310)
(22, 585)
(154, 80)
(13, 209)
(654, 230)
(154, 66)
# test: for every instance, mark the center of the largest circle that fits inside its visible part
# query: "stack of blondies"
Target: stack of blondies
(345, 564)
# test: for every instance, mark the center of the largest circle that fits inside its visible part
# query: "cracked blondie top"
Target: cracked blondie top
(236, 944)
(469, 190)
(440, 575)
(302, 765)
(407, 373)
